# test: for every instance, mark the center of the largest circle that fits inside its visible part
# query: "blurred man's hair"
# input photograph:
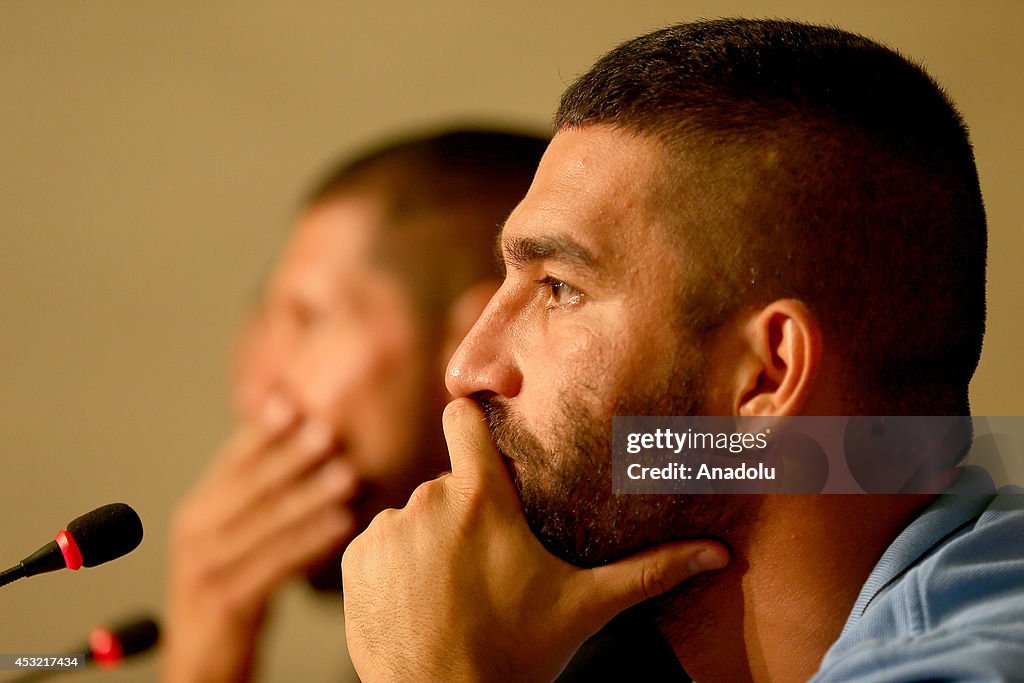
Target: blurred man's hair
(807, 162)
(444, 197)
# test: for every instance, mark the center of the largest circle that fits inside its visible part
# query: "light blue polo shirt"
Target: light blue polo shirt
(946, 601)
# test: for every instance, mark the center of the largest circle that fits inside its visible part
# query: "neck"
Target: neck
(773, 613)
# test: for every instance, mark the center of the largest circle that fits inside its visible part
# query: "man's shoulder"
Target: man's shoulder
(976, 574)
(955, 610)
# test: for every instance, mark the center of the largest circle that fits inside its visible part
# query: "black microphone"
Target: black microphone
(108, 647)
(106, 533)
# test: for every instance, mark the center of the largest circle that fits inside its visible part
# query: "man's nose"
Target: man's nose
(485, 360)
(262, 350)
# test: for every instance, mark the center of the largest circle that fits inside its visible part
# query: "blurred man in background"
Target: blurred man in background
(338, 384)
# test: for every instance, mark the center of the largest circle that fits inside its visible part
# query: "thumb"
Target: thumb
(470, 448)
(615, 587)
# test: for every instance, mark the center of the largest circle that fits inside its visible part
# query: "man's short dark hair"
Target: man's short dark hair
(444, 196)
(819, 165)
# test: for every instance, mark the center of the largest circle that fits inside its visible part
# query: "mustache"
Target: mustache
(510, 435)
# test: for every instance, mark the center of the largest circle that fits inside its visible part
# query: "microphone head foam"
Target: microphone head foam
(106, 533)
(138, 635)
(108, 645)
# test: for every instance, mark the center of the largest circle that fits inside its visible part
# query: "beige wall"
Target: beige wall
(153, 152)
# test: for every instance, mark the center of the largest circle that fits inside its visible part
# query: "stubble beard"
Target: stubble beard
(566, 489)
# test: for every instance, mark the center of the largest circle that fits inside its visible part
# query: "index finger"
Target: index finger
(277, 419)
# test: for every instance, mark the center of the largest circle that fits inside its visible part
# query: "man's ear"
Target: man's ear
(779, 360)
(462, 314)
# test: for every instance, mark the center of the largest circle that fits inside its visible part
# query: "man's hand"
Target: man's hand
(271, 504)
(456, 587)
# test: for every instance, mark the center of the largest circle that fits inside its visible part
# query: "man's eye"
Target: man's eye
(560, 294)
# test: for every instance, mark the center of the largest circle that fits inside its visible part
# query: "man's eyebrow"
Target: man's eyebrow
(519, 251)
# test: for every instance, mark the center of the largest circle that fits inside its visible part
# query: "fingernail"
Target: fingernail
(277, 413)
(315, 436)
(707, 560)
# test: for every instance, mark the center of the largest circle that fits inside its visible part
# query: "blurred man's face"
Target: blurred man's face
(336, 336)
(586, 327)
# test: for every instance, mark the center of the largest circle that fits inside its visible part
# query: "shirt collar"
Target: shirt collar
(953, 509)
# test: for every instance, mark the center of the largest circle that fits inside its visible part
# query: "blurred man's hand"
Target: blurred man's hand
(455, 586)
(271, 504)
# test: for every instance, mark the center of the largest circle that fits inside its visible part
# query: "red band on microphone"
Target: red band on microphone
(105, 647)
(69, 549)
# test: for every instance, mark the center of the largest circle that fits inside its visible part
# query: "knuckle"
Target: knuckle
(425, 493)
(653, 581)
(350, 557)
(381, 521)
(417, 498)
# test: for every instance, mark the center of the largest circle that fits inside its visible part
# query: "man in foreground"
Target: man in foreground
(390, 263)
(741, 218)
